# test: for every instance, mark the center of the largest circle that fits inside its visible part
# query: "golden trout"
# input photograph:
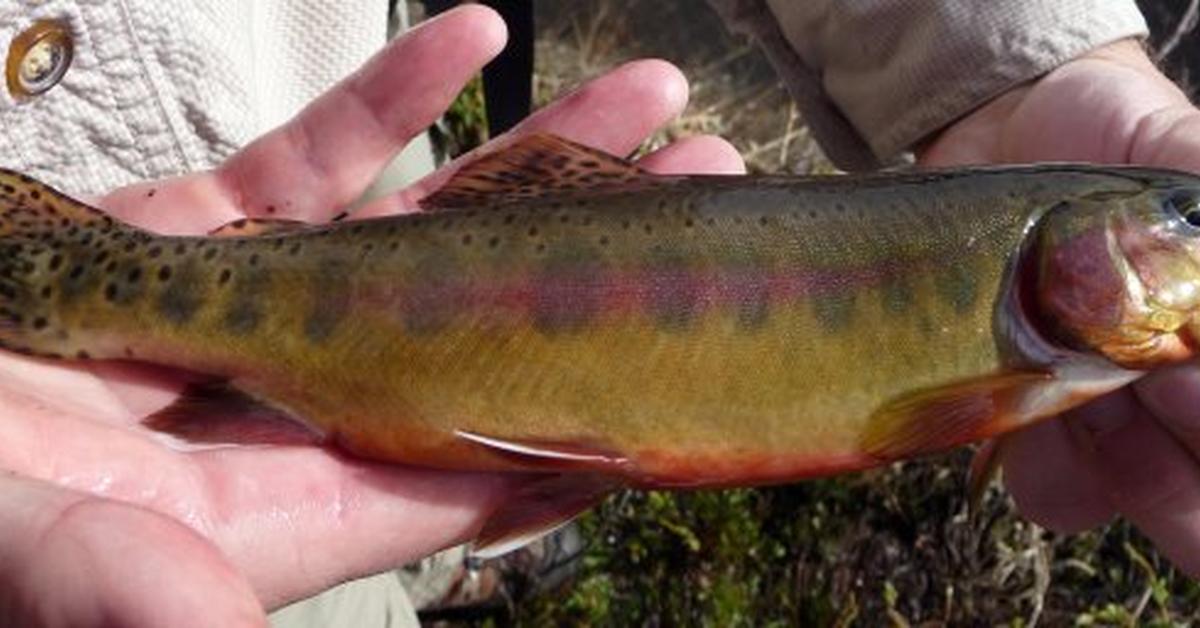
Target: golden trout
(558, 310)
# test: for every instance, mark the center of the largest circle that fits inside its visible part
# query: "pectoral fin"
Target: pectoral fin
(216, 412)
(539, 508)
(940, 418)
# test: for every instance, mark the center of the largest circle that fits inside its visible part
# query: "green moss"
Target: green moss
(890, 547)
(464, 125)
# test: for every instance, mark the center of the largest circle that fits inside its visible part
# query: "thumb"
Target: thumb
(69, 559)
(1173, 396)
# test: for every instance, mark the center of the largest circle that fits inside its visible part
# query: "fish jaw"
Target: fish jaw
(1121, 278)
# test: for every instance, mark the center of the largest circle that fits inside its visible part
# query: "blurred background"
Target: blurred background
(889, 547)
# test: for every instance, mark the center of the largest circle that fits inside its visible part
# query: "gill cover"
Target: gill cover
(1119, 275)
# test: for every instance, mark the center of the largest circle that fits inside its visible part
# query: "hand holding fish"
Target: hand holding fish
(99, 522)
(1135, 452)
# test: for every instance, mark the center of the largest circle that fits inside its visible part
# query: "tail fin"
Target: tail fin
(34, 211)
(38, 225)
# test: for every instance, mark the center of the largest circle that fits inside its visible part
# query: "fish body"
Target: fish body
(558, 310)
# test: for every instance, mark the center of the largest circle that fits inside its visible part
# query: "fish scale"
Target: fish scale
(557, 310)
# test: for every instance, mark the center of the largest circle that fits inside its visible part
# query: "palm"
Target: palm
(90, 490)
(1134, 452)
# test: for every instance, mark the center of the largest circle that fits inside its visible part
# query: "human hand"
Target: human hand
(1135, 452)
(100, 522)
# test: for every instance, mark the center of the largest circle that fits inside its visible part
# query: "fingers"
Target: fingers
(324, 157)
(1052, 481)
(1154, 481)
(73, 560)
(702, 154)
(1115, 455)
(317, 518)
(614, 113)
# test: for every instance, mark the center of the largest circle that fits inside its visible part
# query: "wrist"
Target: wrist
(1096, 85)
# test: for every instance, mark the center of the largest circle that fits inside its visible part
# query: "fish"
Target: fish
(557, 311)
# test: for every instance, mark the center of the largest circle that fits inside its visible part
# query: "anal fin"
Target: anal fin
(539, 508)
(216, 412)
(936, 419)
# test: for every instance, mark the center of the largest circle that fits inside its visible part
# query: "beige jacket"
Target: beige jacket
(162, 87)
(875, 77)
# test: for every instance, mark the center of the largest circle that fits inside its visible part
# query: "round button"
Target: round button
(38, 58)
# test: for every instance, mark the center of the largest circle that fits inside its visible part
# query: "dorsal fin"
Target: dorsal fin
(243, 227)
(29, 208)
(535, 166)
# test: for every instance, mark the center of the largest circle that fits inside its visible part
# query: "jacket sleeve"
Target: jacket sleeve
(875, 77)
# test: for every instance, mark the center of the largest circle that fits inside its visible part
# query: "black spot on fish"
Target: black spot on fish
(673, 294)
(135, 274)
(957, 286)
(225, 276)
(40, 323)
(56, 261)
(164, 273)
(243, 314)
(752, 295)
(210, 253)
(179, 301)
(154, 252)
(433, 296)
(896, 295)
(82, 355)
(46, 292)
(466, 239)
(294, 249)
(834, 311)
(332, 303)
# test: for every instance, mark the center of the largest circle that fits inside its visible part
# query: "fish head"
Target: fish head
(1119, 272)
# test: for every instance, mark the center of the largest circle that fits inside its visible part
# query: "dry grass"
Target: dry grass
(734, 92)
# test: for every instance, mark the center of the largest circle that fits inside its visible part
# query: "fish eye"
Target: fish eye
(1186, 205)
